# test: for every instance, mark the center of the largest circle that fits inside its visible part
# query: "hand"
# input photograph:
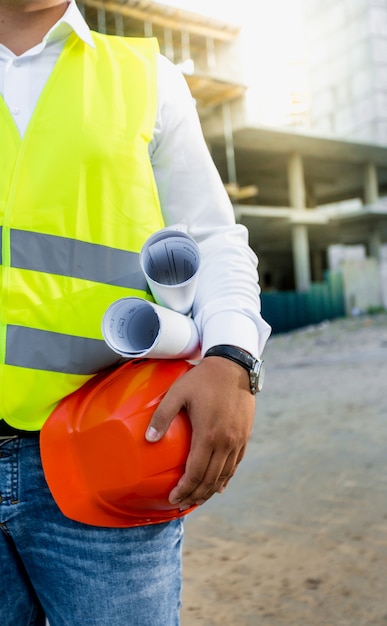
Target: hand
(217, 398)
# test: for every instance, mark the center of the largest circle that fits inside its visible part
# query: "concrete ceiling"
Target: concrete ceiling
(274, 234)
(334, 169)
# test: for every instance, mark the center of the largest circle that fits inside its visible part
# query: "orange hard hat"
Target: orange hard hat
(98, 465)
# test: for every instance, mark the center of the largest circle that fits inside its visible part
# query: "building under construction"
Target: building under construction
(298, 191)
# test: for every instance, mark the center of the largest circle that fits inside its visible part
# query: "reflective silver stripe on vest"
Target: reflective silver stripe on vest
(78, 259)
(56, 352)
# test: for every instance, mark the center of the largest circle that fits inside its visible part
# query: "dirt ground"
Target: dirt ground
(299, 538)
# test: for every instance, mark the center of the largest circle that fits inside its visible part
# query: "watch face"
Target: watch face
(257, 376)
(261, 376)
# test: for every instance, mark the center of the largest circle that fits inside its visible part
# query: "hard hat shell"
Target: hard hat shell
(98, 465)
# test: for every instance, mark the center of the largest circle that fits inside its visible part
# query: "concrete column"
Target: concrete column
(371, 187)
(296, 183)
(230, 155)
(211, 56)
(119, 24)
(185, 45)
(300, 239)
(148, 29)
(168, 44)
(229, 143)
(101, 20)
(301, 262)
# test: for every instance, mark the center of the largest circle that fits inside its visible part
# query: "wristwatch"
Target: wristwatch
(255, 367)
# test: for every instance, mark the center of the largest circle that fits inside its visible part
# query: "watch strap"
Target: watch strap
(233, 353)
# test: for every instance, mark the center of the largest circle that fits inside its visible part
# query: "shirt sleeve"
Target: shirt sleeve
(227, 307)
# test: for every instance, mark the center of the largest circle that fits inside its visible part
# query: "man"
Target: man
(101, 146)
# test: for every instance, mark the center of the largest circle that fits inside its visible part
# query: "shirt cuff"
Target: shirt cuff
(236, 330)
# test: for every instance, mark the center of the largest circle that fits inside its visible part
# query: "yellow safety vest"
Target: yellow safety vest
(77, 201)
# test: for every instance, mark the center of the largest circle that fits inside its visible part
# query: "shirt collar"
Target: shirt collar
(71, 21)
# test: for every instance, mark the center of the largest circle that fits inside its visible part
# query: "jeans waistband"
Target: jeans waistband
(7, 431)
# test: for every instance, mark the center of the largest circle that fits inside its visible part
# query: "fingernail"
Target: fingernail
(152, 434)
(185, 507)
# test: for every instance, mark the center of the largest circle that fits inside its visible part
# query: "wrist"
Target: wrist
(254, 367)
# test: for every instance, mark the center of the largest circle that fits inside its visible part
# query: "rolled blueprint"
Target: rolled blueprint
(170, 260)
(136, 328)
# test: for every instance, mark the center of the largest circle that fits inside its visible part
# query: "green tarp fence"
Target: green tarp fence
(288, 310)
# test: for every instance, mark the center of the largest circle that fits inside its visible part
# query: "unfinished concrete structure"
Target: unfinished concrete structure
(280, 180)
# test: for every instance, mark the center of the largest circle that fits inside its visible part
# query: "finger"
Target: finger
(195, 489)
(239, 458)
(167, 409)
(228, 471)
(195, 470)
(223, 478)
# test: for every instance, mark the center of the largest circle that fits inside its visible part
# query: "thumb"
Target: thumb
(161, 420)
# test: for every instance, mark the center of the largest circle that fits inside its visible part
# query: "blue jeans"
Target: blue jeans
(73, 574)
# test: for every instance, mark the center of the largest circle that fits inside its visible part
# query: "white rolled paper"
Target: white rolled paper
(170, 260)
(136, 328)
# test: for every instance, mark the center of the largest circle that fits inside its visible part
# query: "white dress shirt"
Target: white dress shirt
(226, 308)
